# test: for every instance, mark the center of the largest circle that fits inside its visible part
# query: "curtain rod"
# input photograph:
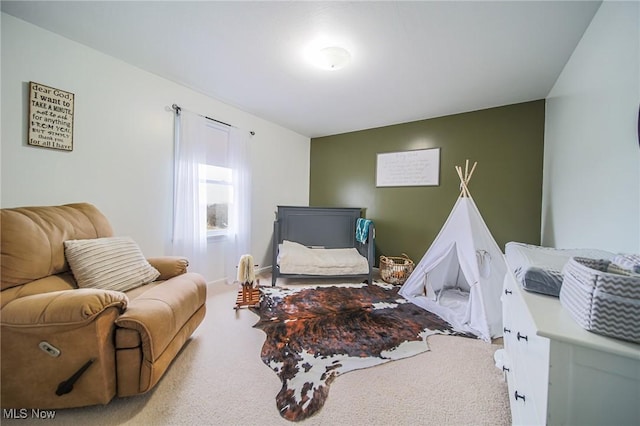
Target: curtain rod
(178, 108)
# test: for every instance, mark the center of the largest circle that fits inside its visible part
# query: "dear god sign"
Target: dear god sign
(50, 117)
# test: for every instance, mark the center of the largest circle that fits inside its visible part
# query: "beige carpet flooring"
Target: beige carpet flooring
(219, 379)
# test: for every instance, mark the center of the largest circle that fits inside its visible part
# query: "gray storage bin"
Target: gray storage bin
(600, 301)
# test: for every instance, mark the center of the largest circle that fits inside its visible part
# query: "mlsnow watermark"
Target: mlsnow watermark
(26, 413)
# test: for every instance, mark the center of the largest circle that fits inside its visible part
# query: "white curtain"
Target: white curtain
(190, 209)
(190, 202)
(238, 240)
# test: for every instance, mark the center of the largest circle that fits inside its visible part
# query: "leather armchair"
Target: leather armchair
(116, 343)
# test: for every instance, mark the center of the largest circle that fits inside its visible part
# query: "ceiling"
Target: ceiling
(409, 60)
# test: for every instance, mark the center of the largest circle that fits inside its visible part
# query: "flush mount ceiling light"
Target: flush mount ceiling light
(331, 58)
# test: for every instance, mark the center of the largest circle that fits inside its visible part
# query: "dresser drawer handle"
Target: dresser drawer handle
(518, 396)
(505, 369)
(506, 330)
(507, 291)
(520, 336)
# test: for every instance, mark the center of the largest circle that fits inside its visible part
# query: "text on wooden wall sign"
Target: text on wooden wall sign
(50, 117)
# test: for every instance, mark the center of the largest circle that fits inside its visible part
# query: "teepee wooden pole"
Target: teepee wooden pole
(464, 191)
(475, 163)
(459, 171)
(464, 179)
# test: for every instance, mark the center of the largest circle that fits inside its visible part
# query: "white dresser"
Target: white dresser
(560, 374)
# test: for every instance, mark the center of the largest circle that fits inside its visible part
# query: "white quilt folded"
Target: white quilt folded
(295, 258)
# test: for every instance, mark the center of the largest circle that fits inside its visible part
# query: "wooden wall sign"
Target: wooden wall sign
(50, 117)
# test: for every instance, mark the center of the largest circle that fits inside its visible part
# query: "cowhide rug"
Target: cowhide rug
(316, 334)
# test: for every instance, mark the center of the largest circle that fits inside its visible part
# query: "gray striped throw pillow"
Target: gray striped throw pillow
(114, 263)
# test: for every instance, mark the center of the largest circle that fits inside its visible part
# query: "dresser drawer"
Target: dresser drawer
(525, 410)
(519, 329)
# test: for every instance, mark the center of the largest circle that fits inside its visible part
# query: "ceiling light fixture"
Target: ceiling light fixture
(331, 58)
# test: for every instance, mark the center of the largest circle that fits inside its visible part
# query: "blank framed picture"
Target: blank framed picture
(408, 168)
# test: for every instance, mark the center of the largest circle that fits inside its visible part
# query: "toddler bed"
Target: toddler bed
(317, 242)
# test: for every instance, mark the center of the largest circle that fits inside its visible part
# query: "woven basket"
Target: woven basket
(600, 301)
(395, 270)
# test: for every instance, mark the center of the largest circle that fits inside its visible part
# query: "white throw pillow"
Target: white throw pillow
(108, 263)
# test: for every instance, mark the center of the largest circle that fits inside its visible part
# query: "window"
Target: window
(216, 180)
(219, 195)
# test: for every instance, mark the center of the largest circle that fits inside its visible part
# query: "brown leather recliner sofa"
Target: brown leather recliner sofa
(51, 329)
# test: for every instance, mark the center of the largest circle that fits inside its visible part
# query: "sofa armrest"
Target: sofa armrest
(73, 326)
(169, 266)
(159, 313)
(61, 308)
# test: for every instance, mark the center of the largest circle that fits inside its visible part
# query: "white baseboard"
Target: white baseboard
(258, 271)
(263, 269)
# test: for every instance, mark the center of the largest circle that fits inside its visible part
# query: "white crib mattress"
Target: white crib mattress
(295, 258)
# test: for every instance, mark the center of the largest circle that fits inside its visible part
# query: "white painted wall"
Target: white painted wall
(122, 159)
(591, 181)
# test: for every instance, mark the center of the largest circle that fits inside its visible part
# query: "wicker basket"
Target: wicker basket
(395, 270)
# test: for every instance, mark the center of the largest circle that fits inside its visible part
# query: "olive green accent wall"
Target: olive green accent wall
(507, 142)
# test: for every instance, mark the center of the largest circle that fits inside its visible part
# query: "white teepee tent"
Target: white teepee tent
(460, 277)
